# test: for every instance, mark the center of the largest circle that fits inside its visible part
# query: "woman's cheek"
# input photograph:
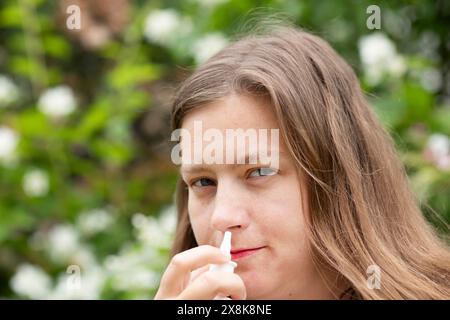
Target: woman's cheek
(280, 213)
(199, 220)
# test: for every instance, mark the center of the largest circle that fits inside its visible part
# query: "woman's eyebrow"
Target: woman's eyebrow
(191, 169)
(256, 155)
(244, 161)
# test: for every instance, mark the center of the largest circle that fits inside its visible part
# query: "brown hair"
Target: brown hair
(362, 211)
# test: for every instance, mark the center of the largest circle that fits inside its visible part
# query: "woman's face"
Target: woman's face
(263, 209)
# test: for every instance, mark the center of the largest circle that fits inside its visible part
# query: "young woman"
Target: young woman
(334, 215)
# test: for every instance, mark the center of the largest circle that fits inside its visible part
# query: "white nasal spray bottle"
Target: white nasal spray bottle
(225, 248)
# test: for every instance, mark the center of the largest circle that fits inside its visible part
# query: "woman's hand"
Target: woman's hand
(188, 277)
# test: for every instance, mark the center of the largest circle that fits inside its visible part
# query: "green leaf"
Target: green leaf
(32, 123)
(419, 102)
(128, 75)
(94, 120)
(11, 16)
(13, 219)
(56, 46)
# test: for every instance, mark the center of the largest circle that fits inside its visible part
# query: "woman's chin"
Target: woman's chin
(254, 284)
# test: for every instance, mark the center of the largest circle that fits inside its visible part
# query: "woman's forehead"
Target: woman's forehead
(233, 111)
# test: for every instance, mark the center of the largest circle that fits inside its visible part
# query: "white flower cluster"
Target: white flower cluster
(94, 221)
(437, 151)
(31, 282)
(9, 92)
(35, 183)
(379, 58)
(431, 79)
(9, 140)
(207, 46)
(57, 102)
(135, 269)
(62, 243)
(168, 28)
(210, 3)
(165, 26)
(91, 281)
(155, 232)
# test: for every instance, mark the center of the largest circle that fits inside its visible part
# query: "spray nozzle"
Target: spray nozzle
(225, 246)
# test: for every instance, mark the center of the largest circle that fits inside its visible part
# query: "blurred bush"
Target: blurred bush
(86, 181)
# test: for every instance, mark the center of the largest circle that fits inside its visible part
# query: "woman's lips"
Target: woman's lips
(241, 253)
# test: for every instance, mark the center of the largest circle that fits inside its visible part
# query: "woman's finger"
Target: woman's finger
(174, 278)
(196, 273)
(212, 283)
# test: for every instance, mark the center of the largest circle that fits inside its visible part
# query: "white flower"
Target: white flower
(86, 285)
(156, 232)
(31, 281)
(168, 219)
(35, 183)
(135, 278)
(431, 79)
(8, 91)
(148, 231)
(84, 257)
(93, 221)
(132, 270)
(140, 278)
(438, 150)
(379, 57)
(207, 46)
(376, 48)
(57, 102)
(210, 3)
(8, 144)
(63, 242)
(439, 144)
(138, 220)
(161, 25)
(443, 163)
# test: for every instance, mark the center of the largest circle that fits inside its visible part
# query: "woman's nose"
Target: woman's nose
(231, 211)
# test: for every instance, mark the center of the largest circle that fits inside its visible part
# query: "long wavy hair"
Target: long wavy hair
(362, 210)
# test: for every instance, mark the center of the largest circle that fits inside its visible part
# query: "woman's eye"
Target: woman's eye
(203, 182)
(262, 172)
